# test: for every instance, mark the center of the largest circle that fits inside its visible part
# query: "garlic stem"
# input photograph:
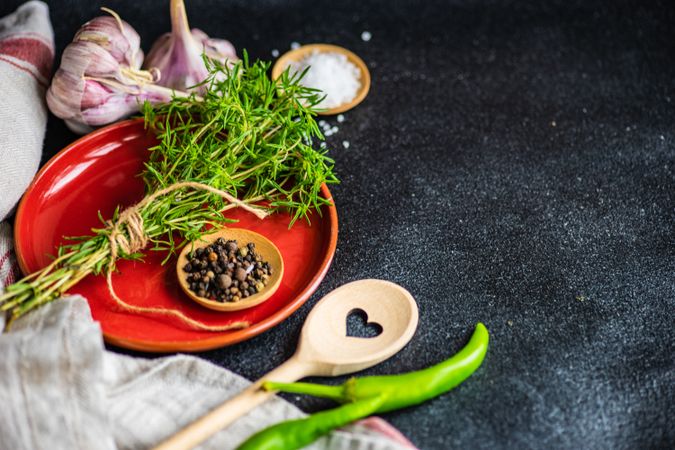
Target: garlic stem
(179, 22)
(137, 90)
(155, 88)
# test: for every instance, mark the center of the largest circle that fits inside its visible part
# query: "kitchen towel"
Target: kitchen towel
(26, 57)
(61, 389)
(8, 266)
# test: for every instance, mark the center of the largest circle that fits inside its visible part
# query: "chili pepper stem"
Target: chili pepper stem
(405, 389)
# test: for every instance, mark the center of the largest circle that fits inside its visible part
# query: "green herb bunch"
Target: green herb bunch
(249, 136)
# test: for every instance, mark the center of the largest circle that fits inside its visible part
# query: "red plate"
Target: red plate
(99, 172)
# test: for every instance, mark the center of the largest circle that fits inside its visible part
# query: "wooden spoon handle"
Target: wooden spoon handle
(229, 411)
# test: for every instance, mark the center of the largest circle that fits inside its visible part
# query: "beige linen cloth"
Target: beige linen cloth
(59, 387)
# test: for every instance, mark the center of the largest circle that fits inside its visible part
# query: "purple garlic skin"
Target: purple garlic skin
(99, 80)
(177, 55)
(117, 38)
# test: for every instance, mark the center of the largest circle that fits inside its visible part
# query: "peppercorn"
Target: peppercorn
(240, 274)
(225, 271)
(224, 281)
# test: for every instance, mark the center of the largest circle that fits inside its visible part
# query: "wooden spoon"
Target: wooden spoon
(263, 246)
(324, 349)
(301, 52)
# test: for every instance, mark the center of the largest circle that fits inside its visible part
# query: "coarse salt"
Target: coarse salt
(275, 53)
(333, 74)
(366, 36)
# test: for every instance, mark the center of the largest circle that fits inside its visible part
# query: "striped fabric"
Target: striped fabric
(8, 268)
(26, 57)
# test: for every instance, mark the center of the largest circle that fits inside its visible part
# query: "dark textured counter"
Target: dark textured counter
(513, 164)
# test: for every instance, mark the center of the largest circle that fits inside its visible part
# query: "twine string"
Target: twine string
(136, 239)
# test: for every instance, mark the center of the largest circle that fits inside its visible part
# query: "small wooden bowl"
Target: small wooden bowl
(299, 53)
(263, 246)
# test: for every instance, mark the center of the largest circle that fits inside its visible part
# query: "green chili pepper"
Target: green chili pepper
(294, 434)
(370, 395)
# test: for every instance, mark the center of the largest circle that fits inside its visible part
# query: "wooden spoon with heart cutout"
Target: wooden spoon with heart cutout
(324, 349)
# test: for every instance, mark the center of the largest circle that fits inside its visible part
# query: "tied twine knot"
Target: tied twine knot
(135, 239)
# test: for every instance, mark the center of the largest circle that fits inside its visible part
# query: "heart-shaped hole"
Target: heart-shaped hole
(358, 325)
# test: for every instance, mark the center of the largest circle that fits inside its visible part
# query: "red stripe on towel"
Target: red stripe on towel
(31, 51)
(4, 258)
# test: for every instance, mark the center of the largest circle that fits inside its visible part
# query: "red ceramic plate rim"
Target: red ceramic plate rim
(219, 340)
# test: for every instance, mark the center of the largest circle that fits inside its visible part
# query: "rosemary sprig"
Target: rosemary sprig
(249, 136)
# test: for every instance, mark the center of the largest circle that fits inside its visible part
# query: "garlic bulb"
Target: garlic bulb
(115, 36)
(99, 80)
(178, 55)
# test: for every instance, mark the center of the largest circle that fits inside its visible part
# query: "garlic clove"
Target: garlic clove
(64, 95)
(94, 94)
(116, 37)
(219, 49)
(90, 59)
(115, 107)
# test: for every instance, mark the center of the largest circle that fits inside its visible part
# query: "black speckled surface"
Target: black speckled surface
(513, 164)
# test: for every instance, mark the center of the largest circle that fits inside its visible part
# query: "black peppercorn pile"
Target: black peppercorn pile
(225, 272)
